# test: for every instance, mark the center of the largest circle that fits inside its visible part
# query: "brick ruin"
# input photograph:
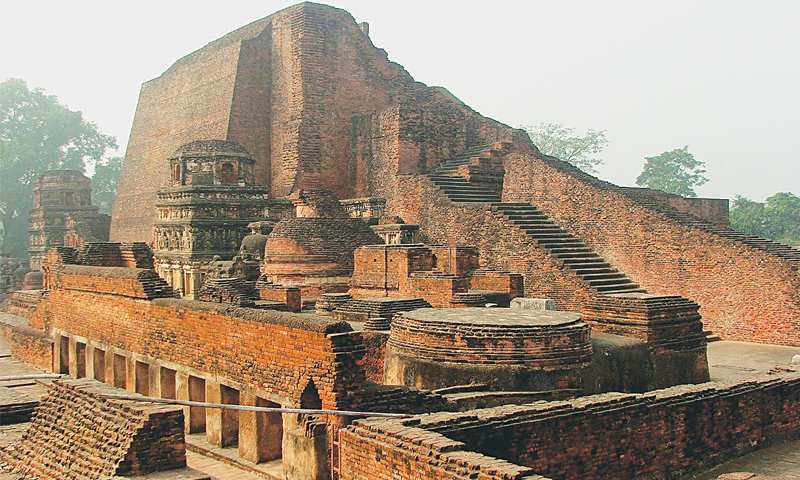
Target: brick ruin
(204, 213)
(63, 214)
(300, 224)
(131, 438)
(603, 436)
(316, 104)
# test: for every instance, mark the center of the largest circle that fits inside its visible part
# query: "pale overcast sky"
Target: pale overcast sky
(720, 76)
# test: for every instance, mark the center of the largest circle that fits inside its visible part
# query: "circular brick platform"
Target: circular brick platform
(512, 349)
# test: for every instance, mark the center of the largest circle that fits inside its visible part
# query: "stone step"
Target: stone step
(456, 189)
(472, 194)
(447, 178)
(449, 168)
(576, 255)
(519, 211)
(529, 218)
(543, 230)
(468, 190)
(569, 262)
(538, 226)
(711, 336)
(584, 265)
(450, 182)
(501, 205)
(462, 199)
(572, 243)
(507, 206)
(618, 288)
(462, 160)
(579, 248)
(596, 282)
(601, 276)
(535, 223)
(556, 238)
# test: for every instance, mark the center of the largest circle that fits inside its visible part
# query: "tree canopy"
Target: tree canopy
(563, 143)
(674, 171)
(104, 182)
(37, 133)
(778, 217)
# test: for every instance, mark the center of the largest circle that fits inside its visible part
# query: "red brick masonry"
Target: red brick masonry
(68, 438)
(662, 434)
(270, 351)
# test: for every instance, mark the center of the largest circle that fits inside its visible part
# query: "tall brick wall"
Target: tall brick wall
(712, 210)
(190, 101)
(745, 293)
(286, 87)
(663, 434)
(265, 350)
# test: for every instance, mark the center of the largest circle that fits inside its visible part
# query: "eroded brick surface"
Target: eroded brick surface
(601, 436)
(75, 433)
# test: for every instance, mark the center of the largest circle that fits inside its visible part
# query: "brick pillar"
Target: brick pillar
(89, 355)
(130, 374)
(222, 425)
(77, 358)
(72, 358)
(154, 380)
(109, 367)
(260, 433)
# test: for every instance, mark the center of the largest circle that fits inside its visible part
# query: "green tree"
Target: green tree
(563, 143)
(675, 171)
(783, 212)
(104, 182)
(37, 133)
(777, 218)
(748, 216)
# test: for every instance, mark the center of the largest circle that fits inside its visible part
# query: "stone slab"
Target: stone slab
(523, 303)
(494, 316)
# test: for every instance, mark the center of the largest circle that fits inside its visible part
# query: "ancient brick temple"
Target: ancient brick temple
(307, 93)
(63, 214)
(329, 271)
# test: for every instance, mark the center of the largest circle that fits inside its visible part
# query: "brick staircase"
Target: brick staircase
(775, 248)
(573, 253)
(457, 188)
(449, 167)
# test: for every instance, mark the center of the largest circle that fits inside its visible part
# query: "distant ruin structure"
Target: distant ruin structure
(63, 214)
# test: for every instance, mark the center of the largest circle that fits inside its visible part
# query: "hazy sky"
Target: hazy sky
(720, 76)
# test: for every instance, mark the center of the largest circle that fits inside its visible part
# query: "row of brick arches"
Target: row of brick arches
(256, 437)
